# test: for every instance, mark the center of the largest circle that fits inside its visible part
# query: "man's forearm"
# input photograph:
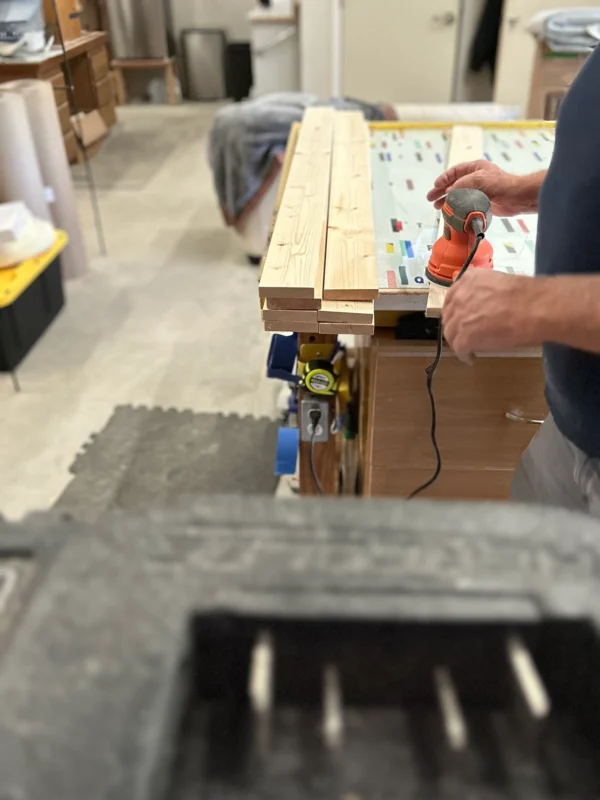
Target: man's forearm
(527, 190)
(566, 310)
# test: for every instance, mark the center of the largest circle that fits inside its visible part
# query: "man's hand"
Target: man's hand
(489, 311)
(508, 194)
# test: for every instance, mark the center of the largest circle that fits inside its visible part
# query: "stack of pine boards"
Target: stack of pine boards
(320, 272)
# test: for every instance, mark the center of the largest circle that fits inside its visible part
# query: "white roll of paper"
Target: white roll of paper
(52, 158)
(20, 174)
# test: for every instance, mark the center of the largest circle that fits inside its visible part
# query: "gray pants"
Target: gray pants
(554, 472)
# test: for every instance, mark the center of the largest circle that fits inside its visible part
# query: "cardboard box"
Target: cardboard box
(71, 147)
(90, 130)
(116, 86)
(553, 73)
(104, 92)
(64, 115)
(109, 114)
(99, 64)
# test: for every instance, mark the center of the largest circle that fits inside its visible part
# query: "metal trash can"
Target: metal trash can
(203, 52)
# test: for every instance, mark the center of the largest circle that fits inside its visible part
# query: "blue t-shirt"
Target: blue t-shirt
(568, 241)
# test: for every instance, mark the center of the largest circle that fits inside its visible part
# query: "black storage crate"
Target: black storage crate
(24, 321)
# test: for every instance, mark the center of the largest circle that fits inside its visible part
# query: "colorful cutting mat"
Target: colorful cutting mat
(405, 164)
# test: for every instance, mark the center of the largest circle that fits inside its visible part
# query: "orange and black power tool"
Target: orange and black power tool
(467, 215)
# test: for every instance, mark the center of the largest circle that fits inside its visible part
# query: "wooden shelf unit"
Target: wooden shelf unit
(89, 66)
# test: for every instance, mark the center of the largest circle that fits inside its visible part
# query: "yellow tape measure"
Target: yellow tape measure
(319, 377)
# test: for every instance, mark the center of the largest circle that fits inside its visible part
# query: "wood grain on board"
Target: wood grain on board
(492, 399)
(347, 327)
(347, 311)
(290, 326)
(283, 176)
(279, 304)
(295, 315)
(466, 144)
(350, 265)
(297, 247)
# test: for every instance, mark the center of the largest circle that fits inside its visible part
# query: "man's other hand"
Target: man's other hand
(503, 190)
(488, 311)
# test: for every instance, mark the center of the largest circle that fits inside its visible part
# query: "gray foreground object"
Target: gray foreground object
(113, 636)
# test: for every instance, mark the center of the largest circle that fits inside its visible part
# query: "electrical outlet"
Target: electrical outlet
(306, 423)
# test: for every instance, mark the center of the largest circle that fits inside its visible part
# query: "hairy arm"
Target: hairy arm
(526, 191)
(489, 311)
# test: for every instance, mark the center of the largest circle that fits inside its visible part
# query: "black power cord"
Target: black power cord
(430, 372)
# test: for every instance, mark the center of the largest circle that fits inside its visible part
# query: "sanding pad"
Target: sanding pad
(437, 279)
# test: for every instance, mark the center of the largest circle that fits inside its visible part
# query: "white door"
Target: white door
(400, 51)
(516, 49)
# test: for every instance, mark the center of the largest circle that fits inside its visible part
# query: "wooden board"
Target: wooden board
(346, 327)
(284, 174)
(350, 265)
(466, 484)
(347, 311)
(279, 304)
(63, 15)
(296, 315)
(297, 247)
(435, 300)
(141, 63)
(291, 327)
(466, 144)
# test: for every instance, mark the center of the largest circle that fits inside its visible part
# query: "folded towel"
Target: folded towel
(570, 30)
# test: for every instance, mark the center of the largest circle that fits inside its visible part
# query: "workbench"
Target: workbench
(486, 413)
(89, 70)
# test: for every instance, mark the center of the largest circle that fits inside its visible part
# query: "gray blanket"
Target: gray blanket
(248, 136)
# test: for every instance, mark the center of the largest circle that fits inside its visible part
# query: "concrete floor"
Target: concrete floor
(169, 318)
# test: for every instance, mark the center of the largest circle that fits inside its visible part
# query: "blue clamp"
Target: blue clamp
(282, 358)
(288, 442)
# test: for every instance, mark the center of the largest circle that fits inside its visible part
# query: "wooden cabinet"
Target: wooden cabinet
(88, 60)
(480, 413)
(99, 64)
(400, 51)
(91, 80)
(516, 49)
(553, 74)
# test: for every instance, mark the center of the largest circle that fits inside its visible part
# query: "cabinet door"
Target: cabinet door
(516, 49)
(483, 413)
(400, 51)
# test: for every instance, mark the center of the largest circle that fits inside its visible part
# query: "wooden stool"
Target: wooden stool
(167, 64)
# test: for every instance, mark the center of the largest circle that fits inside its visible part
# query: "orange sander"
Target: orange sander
(467, 215)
